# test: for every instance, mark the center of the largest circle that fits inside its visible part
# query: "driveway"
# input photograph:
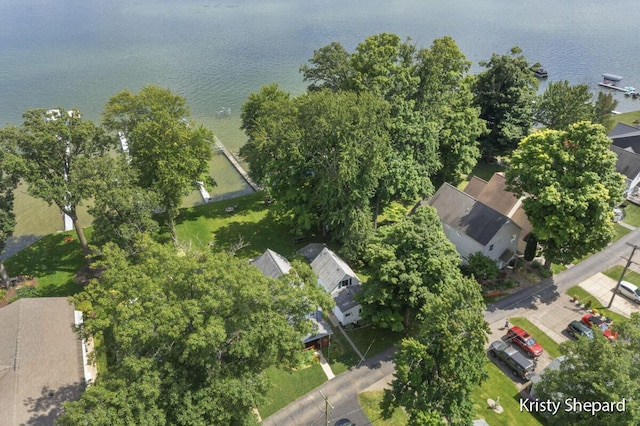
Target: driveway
(602, 288)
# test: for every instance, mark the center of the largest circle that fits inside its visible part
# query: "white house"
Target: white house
(274, 265)
(474, 227)
(341, 282)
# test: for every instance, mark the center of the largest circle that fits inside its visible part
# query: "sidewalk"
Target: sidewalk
(325, 366)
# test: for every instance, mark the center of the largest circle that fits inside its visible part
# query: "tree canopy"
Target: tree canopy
(505, 92)
(45, 151)
(169, 152)
(597, 371)
(187, 336)
(8, 183)
(322, 155)
(439, 367)
(563, 104)
(408, 260)
(571, 187)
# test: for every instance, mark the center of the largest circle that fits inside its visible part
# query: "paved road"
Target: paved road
(341, 392)
(549, 290)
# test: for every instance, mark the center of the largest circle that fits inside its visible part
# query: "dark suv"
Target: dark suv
(577, 328)
(520, 365)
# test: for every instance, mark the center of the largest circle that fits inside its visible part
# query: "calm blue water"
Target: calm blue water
(77, 53)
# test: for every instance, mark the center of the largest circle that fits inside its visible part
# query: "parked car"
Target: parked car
(592, 320)
(577, 328)
(629, 290)
(525, 341)
(344, 422)
(520, 365)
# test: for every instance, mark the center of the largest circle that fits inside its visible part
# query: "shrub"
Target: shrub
(481, 267)
(25, 292)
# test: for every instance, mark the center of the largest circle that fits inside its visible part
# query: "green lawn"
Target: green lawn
(482, 170)
(547, 342)
(287, 386)
(632, 215)
(627, 117)
(53, 262)
(499, 385)
(584, 297)
(371, 341)
(616, 270)
(251, 222)
(339, 353)
(370, 403)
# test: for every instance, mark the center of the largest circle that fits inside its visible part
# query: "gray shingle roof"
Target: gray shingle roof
(628, 162)
(344, 298)
(272, 264)
(467, 215)
(311, 251)
(40, 360)
(330, 269)
(626, 136)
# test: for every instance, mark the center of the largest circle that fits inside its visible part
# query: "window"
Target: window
(491, 247)
(348, 314)
(344, 283)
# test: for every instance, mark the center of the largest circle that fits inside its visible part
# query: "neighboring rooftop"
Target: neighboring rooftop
(40, 360)
(311, 251)
(628, 162)
(627, 137)
(466, 214)
(272, 264)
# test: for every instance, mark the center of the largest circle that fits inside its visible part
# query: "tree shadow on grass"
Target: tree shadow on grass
(51, 255)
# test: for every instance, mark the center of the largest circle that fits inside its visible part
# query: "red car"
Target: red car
(592, 320)
(525, 341)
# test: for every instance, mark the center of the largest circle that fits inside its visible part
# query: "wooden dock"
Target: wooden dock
(614, 87)
(236, 164)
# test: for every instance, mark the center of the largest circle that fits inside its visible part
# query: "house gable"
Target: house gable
(333, 272)
(272, 264)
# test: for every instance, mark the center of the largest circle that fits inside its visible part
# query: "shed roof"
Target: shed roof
(272, 264)
(40, 360)
(467, 215)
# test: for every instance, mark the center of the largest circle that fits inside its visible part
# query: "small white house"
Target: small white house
(274, 265)
(341, 282)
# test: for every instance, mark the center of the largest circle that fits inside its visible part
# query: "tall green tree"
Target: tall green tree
(121, 210)
(603, 110)
(8, 184)
(505, 92)
(169, 152)
(46, 148)
(571, 184)
(562, 104)
(438, 368)
(322, 155)
(597, 371)
(187, 337)
(445, 97)
(408, 261)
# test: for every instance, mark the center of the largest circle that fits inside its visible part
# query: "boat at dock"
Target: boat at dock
(610, 81)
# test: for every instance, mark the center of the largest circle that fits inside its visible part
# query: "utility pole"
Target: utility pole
(615, 290)
(327, 404)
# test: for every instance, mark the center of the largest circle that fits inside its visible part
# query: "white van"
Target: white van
(630, 290)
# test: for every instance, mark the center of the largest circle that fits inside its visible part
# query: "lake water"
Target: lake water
(78, 53)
